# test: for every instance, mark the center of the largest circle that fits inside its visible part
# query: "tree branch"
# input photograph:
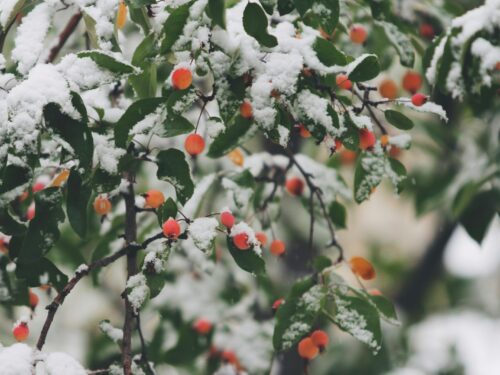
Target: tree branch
(63, 37)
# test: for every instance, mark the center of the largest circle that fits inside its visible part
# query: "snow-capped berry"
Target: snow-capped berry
(307, 349)
(418, 99)
(295, 186)
(171, 229)
(202, 326)
(194, 144)
(388, 89)
(227, 219)
(154, 198)
(277, 247)
(102, 205)
(362, 267)
(21, 331)
(38, 187)
(182, 78)
(277, 303)
(121, 16)
(33, 299)
(343, 82)
(30, 212)
(262, 238)
(240, 240)
(412, 81)
(366, 139)
(246, 110)
(358, 34)
(320, 339)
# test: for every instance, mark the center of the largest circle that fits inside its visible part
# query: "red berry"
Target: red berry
(262, 238)
(246, 110)
(412, 81)
(419, 99)
(202, 326)
(295, 186)
(21, 331)
(277, 247)
(343, 82)
(171, 229)
(30, 213)
(182, 78)
(227, 219)
(320, 339)
(277, 303)
(37, 187)
(229, 357)
(427, 31)
(194, 144)
(366, 139)
(358, 34)
(241, 241)
(304, 133)
(33, 299)
(338, 144)
(154, 198)
(307, 349)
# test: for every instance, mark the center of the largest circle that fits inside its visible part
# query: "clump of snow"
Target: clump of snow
(113, 333)
(138, 291)
(106, 155)
(240, 195)
(83, 73)
(203, 231)
(428, 107)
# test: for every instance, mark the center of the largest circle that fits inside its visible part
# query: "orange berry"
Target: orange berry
(362, 267)
(338, 144)
(388, 89)
(194, 144)
(21, 331)
(384, 140)
(246, 110)
(30, 213)
(154, 198)
(262, 238)
(348, 157)
(343, 82)
(241, 241)
(304, 133)
(227, 219)
(320, 339)
(277, 303)
(236, 156)
(229, 357)
(419, 99)
(102, 205)
(427, 31)
(412, 81)
(307, 349)
(60, 178)
(182, 78)
(366, 139)
(121, 16)
(33, 299)
(295, 186)
(277, 247)
(202, 326)
(171, 229)
(394, 152)
(358, 34)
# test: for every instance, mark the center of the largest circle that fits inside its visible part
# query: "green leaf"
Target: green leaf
(14, 290)
(41, 271)
(188, 347)
(255, 24)
(296, 316)
(367, 175)
(173, 26)
(136, 112)
(14, 179)
(328, 54)
(140, 17)
(321, 262)
(399, 169)
(77, 201)
(367, 68)
(145, 83)
(399, 41)
(247, 260)
(230, 139)
(108, 62)
(176, 125)
(397, 119)
(381, 9)
(172, 167)
(167, 210)
(285, 7)
(321, 13)
(337, 214)
(9, 225)
(385, 308)
(217, 12)
(478, 215)
(303, 6)
(76, 133)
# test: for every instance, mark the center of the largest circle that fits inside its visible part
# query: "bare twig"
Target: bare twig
(65, 34)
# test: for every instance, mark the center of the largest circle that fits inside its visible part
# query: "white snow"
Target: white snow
(203, 232)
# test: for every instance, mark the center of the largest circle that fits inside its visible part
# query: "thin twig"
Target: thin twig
(63, 37)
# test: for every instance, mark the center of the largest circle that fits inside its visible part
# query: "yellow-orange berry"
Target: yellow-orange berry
(246, 110)
(277, 248)
(362, 267)
(366, 139)
(412, 81)
(154, 198)
(236, 156)
(307, 349)
(171, 229)
(388, 89)
(295, 186)
(121, 16)
(343, 82)
(194, 144)
(320, 339)
(102, 205)
(182, 78)
(240, 240)
(358, 34)
(21, 331)
(384, 140)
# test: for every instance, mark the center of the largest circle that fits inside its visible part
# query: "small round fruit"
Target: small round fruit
(304, 133)
(427, 31)
(246, 110)
(241, 241)
(30, 212)
(33, 299)
(229, 357)
(362, 267)
(338, 144)
(202, 326)
(419, 99)
(348, 157)
(384, 140)
(320, 339)
(182, 78)
(21, 331)
(194, 144)
(295, 186)
(307, 349)
(358, 34)
(262, 238)
(154, 198)
(277, 303)
(236, 156)
(171, 229)
(343, 82)
(388, 89)
(412, 81)
(366, 139)
(277, 248)
(227, 219)
(38, 187)
(102, 205)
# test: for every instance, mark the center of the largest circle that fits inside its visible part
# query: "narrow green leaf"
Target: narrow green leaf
(397, 119)
(77, 201)
(173, 167)
(328, 54)
(337, 214)
(173, 26)
(108, 62)
(217, 12)
(367, 68)
(231, 137)
(400, 42)
(176, 125)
